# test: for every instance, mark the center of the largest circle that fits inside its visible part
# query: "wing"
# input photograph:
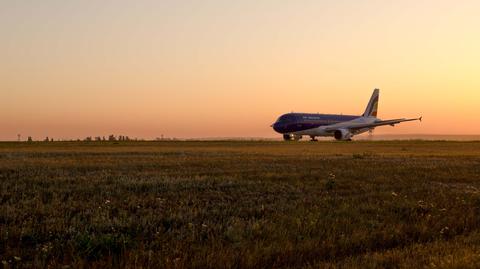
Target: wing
(359, 126)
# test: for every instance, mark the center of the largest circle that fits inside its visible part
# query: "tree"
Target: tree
(112, 138)
(29, 139)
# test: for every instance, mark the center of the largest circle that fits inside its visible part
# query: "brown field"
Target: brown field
(389, 204)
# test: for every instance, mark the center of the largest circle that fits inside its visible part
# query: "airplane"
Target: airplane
(293, 126)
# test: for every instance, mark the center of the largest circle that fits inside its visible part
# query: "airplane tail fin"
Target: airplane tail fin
(372, 107)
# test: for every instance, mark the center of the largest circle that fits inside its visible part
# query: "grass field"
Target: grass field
(391, 204)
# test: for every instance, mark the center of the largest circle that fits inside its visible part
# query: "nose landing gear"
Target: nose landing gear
(291, 137)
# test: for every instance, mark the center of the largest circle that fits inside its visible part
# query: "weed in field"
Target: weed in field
(330, 184)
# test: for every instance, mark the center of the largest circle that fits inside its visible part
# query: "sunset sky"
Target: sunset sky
(186, 69)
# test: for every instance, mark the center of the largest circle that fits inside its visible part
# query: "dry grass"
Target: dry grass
(394, 204)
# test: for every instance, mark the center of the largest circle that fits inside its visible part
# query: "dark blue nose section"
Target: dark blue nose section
(278, 127)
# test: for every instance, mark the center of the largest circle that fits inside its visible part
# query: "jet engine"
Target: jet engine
(342, 134)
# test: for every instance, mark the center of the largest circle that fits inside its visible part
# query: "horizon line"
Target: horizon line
(212, 138)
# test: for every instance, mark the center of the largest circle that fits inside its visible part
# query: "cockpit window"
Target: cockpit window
(286, 118)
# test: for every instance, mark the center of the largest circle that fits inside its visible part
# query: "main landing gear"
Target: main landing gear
(313, 139)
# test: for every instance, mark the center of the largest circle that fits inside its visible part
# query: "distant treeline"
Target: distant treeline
(110, 138)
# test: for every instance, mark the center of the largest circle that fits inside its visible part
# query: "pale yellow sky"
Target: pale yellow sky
(222, 68)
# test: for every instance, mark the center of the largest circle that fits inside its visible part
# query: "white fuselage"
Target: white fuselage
(326, 130)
